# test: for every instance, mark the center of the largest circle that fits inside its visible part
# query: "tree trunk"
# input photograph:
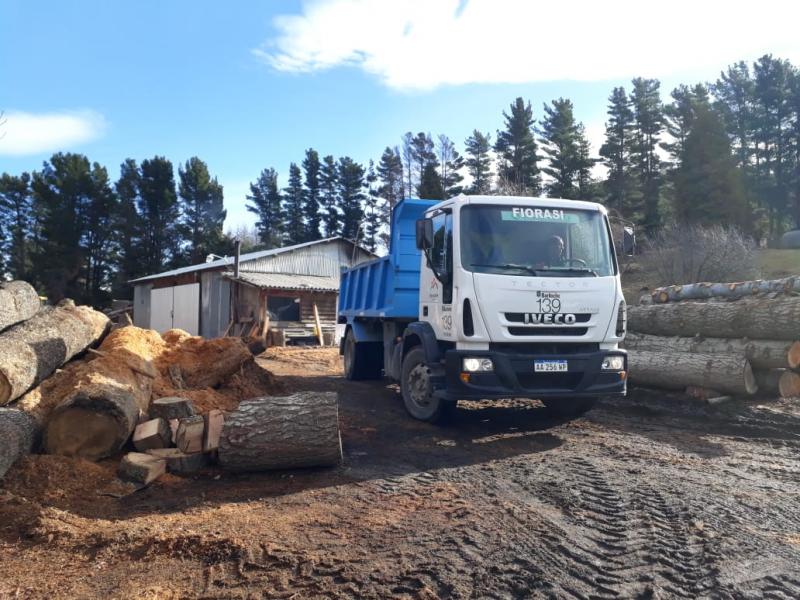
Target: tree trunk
(203, 363)
(758, 319)
(762, 354)
(18, 302)
(671, 370)
(33, 350)
(769, 381)
(789, 385)
(731, 291)
(18, 432)
(272, 432)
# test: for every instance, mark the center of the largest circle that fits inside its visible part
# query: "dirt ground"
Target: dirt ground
(648, 497)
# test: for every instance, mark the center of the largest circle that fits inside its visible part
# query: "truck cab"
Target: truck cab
(515, 297)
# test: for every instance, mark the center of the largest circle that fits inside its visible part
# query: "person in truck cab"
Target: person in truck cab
(554, 252)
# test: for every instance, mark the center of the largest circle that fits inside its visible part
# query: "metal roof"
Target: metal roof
(228, 260)
(285, 281)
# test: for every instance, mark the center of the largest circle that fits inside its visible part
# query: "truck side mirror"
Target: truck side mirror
(424, 234)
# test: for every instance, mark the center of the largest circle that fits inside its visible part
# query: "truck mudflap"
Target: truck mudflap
(514, 376)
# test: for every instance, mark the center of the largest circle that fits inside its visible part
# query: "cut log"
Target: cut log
(730, 291)
(789, 385)
(179, 462)
(769, 381)
(141, 468)
(189, 436)
(762, 354)
(18, 432)
(757, 319)
(676, 370)
(214, 421)
(33, 350)
(101, 399)
(152, 434)
(18, 302)
(301, 430)
(171, 407)
(794, 356)
(202, 363)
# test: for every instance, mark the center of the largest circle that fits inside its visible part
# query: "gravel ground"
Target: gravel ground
(647, 497)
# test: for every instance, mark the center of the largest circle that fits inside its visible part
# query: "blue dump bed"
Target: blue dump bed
(388, 287)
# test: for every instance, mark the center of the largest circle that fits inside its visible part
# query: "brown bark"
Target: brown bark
(33, 350)
(789, 385)
(272, 432)
(762, 354)
(757, 319)
(675, 370)
(18, 302)
(730, 291)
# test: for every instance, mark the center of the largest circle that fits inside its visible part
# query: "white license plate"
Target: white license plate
(550, 366)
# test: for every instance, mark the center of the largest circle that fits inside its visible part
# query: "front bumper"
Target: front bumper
(514, 377)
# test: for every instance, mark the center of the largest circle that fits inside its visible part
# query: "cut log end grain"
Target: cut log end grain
(794, 356)
(141, 468)
(171, 408)
(18, 302)
(789, 385)
(189, 436)
(151, 434)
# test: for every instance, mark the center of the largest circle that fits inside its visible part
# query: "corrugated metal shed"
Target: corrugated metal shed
(285, 281)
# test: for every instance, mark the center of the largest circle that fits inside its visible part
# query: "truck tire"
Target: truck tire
(568, 407)
(417, 391)
(362, 360)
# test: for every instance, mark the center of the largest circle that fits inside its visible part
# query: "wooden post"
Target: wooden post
(319, 325)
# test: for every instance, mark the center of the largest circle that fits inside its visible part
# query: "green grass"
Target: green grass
(779, 263)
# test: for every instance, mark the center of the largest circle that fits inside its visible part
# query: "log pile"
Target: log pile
(69, 387)
(716, 340)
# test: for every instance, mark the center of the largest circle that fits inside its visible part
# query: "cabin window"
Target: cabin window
(283, 308)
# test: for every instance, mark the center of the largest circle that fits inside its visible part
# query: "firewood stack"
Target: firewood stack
(714, 340)
(69, 387)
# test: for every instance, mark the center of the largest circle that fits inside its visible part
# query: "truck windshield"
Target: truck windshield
(535, 241)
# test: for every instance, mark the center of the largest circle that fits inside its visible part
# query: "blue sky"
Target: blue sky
(248, 85)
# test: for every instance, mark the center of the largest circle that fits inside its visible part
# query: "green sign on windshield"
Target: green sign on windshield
(546, 215)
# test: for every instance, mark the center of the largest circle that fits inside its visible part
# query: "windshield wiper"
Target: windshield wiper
(506, 266)
(586, 270)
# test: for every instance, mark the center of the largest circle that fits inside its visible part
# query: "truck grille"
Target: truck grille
(520, 317)
(554, 331)
(538, 381)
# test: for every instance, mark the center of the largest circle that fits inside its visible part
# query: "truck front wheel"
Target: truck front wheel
(417, 389)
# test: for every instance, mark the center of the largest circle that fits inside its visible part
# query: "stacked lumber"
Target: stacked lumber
(718, 339)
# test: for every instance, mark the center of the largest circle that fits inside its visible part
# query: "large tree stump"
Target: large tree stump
(33, 350)
(730, 291)
(675, 370)
(301, 430)
(757, 319)
(762, 354)
(18, 302)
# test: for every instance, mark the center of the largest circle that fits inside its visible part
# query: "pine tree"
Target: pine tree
(647, 127)
(560, 141)
(311, 194)
(159, 212)
(390, 176)
(620, 184)
(16, 224)
(708, 185)
(129, 230)
(479, 162)
(679, 115)
(372, 209)
(450, 165)
(203, 212)
(329, 182)
(411, 182)
(264, 201)
(100, 242)
(294, 226)
(425, 164)
(351, 193)
(516, 148)
(586, 185)
(734, 92)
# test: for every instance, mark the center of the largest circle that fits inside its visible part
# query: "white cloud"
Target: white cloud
(420, 44)
(35, 133)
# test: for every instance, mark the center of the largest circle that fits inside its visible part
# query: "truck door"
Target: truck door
(436, 281)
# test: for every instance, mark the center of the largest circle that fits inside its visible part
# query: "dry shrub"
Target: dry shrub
(681, 254)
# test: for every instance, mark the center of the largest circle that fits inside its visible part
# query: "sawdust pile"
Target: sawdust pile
(320, 360)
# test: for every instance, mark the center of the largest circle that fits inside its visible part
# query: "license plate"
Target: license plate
(550, 366)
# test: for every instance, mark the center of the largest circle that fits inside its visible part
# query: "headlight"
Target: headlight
(477, 365)
(613, 363)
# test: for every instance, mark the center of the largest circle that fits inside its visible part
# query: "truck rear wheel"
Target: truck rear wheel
(417, 389)
(362, 360)
(568, 407)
